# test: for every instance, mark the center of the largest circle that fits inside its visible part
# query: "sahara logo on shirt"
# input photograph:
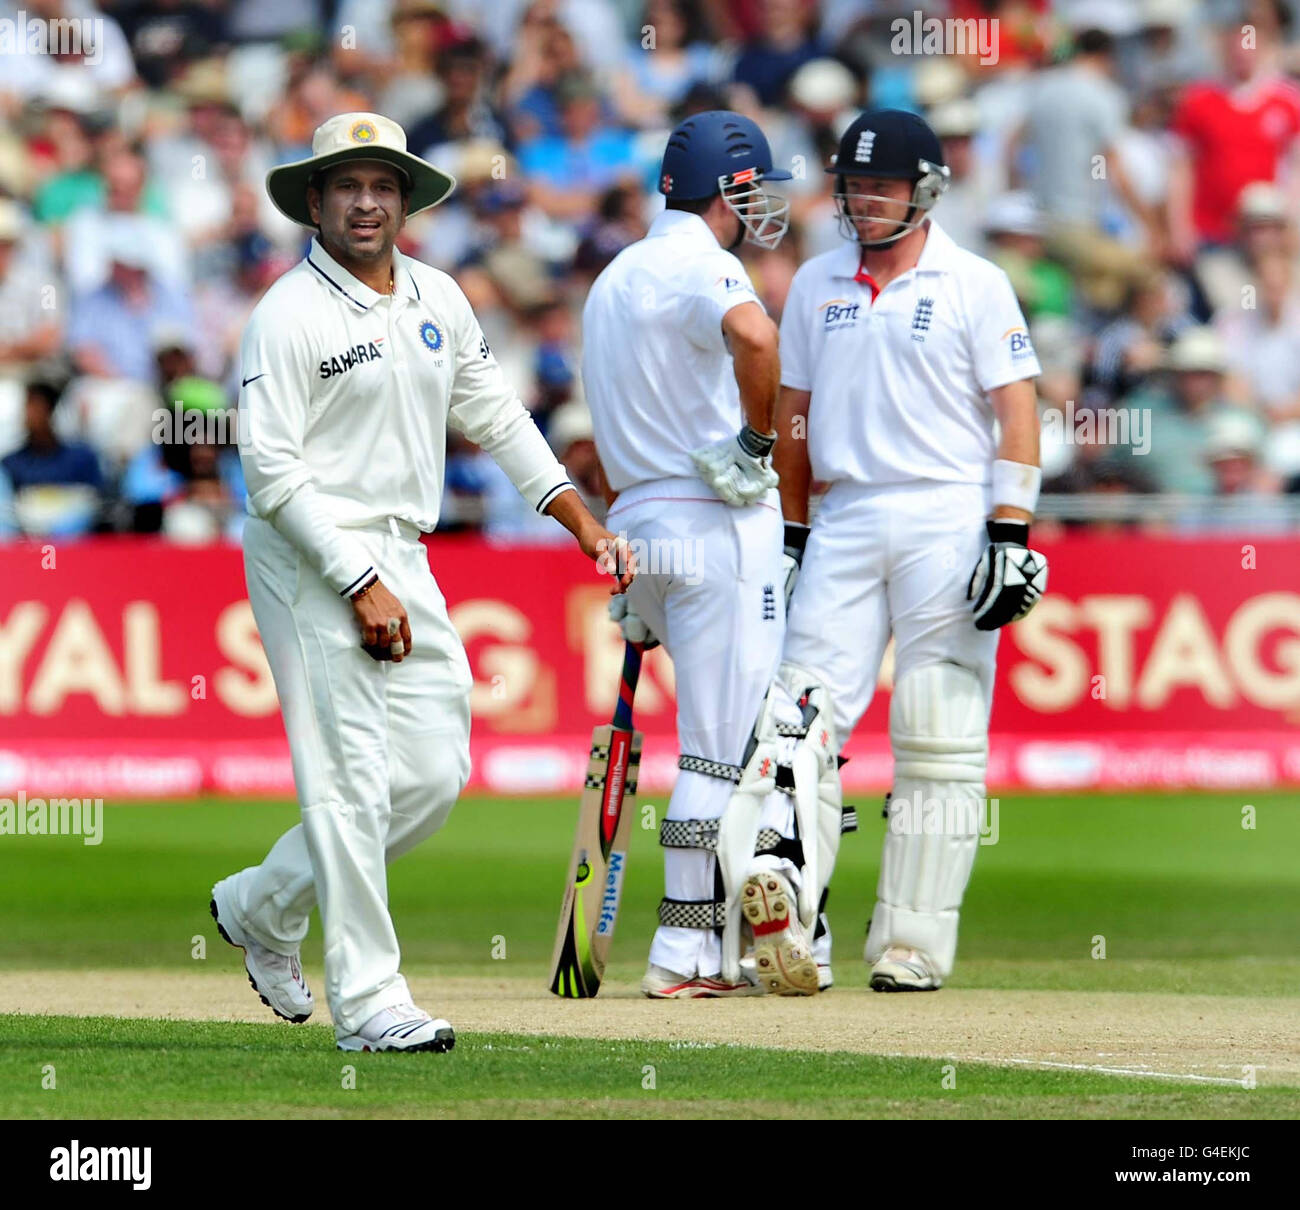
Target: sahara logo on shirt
(839, 313)
(341, 363)
(1019, 343)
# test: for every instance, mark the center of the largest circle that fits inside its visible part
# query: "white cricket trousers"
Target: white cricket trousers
(380, 754)
(711, 590)
(894, 559)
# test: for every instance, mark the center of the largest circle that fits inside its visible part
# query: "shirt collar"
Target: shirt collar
(936, 254)
(353, 289)
(681, 223)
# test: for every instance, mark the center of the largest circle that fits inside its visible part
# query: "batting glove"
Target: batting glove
(739, 469)
(796, 540)
(1009, 579)
(631, 623)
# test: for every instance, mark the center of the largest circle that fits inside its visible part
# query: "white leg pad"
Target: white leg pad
(819, 802)
(738, 830)
(938, 723)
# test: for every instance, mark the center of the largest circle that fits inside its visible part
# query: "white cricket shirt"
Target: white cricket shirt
(346, 398)
(900, 386)
(655, 367)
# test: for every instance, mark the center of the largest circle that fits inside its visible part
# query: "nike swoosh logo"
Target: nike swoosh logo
(254, 378)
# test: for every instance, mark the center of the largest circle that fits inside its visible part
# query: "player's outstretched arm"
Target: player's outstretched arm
(755, 344)
(790, 457)
(1010, 578)
(608, 549)
(739, 469)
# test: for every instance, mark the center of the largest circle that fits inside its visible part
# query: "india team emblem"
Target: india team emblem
(363, 132)
(431, 334)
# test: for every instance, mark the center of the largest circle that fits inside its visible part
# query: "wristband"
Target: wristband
(796, 540)
(1016, 484)
(754, 443)
(1003, 530)
(365, 588)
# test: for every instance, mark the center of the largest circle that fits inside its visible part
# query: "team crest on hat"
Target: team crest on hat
(362, 132)
(431, 334)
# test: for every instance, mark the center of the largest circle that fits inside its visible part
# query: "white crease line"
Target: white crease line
(1120, 1071)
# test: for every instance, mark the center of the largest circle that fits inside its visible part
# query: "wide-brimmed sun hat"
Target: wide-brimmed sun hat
(356, 136)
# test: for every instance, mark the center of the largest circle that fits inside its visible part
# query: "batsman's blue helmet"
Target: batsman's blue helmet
(720, 152)
(708, 148)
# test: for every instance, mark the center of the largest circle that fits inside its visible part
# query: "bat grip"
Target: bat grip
(632, 653)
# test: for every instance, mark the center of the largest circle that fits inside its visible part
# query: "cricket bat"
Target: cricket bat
(596, 869)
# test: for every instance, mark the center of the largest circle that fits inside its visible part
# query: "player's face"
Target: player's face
(877, 206)
(360, 209)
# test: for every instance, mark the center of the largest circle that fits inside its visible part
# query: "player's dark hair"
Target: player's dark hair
(693, 206)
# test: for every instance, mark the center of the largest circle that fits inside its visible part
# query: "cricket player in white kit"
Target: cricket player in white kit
(899, 352)
(354, 365)
(681, 375)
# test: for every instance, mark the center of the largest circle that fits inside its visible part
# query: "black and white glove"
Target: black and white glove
(1009, 578)
(739, 468)
(631, 623)
(796, 541)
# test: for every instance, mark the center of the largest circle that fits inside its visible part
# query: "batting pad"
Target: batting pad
(938, 724)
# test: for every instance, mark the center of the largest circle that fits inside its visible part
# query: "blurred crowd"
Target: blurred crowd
(1130, 163)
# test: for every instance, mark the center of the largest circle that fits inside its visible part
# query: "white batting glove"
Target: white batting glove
(631, 623)
(1009, 579)
(739, 468)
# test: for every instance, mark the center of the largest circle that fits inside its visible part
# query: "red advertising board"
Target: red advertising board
(132, 668)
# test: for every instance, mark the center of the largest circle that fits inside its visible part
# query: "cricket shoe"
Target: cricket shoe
(900, 969)
(276, 978)
(402, 1027)
(825, 980)
(662, 984)
(783, 957)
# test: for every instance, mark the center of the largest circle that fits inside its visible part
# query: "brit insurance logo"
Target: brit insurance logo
(431, 334)
(1018, 342)
(839, 313)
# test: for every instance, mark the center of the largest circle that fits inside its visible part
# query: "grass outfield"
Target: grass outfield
(155, 1069)
(1186, 899)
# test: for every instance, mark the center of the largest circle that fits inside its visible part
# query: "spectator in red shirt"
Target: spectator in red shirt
(1230, 133)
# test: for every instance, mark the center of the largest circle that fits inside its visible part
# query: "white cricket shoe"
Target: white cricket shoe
(401, 1027)
(276, 978)
(660, 983)
(783, 957)
(825, 980)
(900, 969)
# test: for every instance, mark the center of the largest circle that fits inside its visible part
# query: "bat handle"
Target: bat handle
(632, 653)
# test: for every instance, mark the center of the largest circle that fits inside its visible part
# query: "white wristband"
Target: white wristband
(1016, 484)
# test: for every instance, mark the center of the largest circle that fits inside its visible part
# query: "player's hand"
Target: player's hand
(376, 612)
(739, 468)
(612, 553)
(796, 540)
(631, 623)
(1009, 579)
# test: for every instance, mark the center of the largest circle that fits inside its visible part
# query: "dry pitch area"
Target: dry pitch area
(1197, 1038)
